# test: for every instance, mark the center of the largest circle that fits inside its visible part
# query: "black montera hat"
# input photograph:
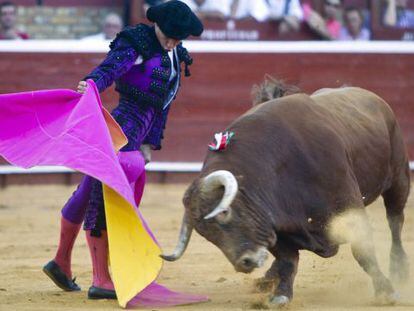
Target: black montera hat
(175, 19)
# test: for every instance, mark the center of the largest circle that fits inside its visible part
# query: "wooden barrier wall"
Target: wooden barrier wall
(219, 88)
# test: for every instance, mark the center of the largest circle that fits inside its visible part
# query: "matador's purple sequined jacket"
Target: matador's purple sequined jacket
(141, 70)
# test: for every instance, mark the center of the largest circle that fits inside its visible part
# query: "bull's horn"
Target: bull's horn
(221, 178)
(185, 234)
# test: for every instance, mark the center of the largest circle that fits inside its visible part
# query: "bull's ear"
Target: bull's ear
(224, 217)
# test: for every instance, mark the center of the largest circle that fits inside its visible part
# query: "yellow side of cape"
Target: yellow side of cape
(134, 256)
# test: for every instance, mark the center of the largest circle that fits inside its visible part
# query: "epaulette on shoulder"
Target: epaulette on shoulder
(140, 37)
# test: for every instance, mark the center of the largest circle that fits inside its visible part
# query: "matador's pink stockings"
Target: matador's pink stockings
(68, 233)
(98, 247)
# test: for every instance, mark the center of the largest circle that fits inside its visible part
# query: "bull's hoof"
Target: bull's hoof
(385, 299)
(264, 285)
(280, 301)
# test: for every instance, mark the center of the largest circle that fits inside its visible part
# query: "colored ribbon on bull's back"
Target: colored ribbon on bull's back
(63, 127)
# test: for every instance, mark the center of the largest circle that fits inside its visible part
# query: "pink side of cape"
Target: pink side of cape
(63, 127)
(60, 127)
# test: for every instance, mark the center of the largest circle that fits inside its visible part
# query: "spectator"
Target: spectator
(288, 12)
(8, 19)
(397, 14)
(328, 25)
(110, 27)
(258, 9)
(210, 8)
(354, 26)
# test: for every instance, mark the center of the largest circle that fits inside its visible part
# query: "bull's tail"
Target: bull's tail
(272, 88)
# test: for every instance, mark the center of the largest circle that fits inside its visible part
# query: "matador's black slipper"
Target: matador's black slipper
(101, 293)
(53, 271)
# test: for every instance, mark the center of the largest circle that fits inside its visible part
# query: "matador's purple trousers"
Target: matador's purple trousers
(75, 208)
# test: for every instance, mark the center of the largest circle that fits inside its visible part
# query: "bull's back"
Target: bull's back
(356, 115)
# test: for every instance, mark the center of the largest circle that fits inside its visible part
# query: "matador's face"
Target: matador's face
(166, 42)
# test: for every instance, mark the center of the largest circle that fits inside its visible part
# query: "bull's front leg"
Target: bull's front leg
(286, 267)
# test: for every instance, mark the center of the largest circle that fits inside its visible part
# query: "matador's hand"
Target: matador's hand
(82, 87)
(146, 152)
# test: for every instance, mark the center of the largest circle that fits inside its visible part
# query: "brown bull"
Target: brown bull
(294, 164)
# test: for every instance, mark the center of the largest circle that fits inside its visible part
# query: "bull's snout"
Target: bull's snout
(251, 260)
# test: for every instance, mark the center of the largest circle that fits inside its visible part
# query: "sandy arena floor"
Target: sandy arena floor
(28, 238)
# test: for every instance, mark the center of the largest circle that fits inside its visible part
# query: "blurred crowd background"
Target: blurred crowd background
(223, 19)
